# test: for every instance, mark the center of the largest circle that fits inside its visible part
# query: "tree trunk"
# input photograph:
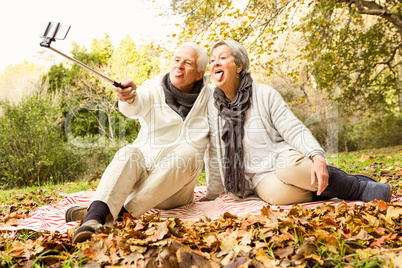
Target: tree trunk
(399, 69)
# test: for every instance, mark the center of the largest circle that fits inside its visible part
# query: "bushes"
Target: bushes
(36, 149)
(32, 146)
(375, 132)
(337, 133)
(90, 124)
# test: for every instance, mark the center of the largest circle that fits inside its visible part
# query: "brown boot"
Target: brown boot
(76, 213)
(86, 230)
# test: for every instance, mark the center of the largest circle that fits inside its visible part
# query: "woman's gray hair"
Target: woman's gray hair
(239, 54)
(202, 59)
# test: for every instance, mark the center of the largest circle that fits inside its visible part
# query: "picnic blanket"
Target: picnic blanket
(51, 217)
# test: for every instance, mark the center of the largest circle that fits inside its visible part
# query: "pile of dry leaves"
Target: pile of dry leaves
(327, 236)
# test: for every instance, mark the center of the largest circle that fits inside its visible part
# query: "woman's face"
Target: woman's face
(224, 69)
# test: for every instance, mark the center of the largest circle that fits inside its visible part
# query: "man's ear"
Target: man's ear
(200, 75)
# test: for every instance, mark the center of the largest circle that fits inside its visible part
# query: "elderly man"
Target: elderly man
(161, 167)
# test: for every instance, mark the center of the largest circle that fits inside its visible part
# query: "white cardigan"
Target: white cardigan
(161, 127)
(283, 131)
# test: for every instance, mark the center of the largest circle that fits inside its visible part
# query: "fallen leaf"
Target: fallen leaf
(380, 241)
(307, 248)
(246, 240)
(284, 252)
(188, 258)
(366, 158)
(16, 250)
(228, 244)
(161, 230)
(393, 212)
(225, 261)
(385, 172)
(97, 251)
(264, 258)
(132, 258)
(241, 262)
(369, 168)
(382, 205)
(362, 235)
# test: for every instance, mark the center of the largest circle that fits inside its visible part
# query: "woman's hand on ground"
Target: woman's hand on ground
(319, 173)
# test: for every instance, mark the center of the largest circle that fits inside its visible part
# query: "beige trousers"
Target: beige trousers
(290, 183)
(128, 182)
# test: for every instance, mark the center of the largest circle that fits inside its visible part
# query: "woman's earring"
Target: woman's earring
(237, 76)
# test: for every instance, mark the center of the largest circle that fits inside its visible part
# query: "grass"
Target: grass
(338, 256)
(384, 164)
(370, 162)
(373, 162)
(45, 194)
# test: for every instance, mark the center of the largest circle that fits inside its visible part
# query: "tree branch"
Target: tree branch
(372, 8)
(392, 56)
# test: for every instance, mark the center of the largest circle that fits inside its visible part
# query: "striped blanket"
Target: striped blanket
(51, 217)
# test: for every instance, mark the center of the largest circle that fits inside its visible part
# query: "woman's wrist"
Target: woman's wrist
(318, 157)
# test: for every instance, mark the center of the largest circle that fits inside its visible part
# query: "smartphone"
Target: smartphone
(55, 30)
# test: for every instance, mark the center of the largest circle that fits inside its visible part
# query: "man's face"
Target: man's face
(184, 70)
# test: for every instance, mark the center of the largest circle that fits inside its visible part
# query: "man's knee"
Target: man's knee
(186, 157)
(186, 150)
(131, 155)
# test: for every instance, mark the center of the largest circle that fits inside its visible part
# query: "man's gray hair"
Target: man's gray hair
(202, 59)
(239, 53)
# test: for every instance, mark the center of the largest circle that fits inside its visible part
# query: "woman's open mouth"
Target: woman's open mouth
(218, 75)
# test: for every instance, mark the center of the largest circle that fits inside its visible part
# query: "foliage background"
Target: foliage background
(337, 64)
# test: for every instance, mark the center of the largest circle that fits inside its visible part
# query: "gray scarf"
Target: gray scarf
(234, 113)
(179, 101)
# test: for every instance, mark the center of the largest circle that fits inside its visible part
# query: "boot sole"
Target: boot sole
(82, 234)
(390, 193)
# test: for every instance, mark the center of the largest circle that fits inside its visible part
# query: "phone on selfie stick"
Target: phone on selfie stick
(57, 31)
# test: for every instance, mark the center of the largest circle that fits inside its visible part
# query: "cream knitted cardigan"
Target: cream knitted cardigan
(161, 127)
(283, 131)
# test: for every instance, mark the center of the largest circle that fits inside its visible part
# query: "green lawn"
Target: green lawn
(383, 164)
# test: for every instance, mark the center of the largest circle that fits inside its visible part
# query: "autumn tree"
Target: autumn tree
(102, 50)
(18, 81)
(349, 49)
(334, 62)
(358, 45)
(136, 63)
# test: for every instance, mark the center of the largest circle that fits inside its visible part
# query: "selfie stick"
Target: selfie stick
(50, 36)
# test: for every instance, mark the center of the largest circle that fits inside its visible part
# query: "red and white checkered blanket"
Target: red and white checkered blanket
(51, 217)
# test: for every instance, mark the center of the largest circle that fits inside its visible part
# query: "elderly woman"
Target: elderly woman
(258, 146)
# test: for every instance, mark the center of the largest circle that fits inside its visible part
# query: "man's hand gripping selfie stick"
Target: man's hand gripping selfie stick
(57, 31)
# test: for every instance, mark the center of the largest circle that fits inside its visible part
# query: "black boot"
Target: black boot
(355, 187)
(318, 198)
